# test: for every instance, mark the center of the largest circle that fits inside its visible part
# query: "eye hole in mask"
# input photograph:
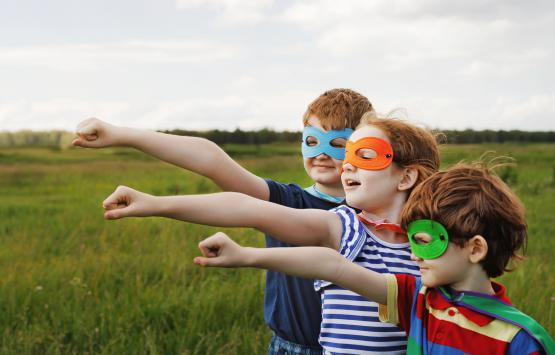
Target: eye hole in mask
(422, 238)
(338, 143)
(312, 141)
(366, 153)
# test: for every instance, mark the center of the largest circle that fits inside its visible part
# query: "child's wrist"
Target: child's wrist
(157, 206)
(124, 136)
(251, 257)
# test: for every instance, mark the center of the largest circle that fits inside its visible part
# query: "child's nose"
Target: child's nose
(322, 156)
(348, 167)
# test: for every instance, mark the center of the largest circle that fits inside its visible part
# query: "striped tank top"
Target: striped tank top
(350, 323)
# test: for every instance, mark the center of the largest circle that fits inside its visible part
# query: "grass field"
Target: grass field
(71, 282)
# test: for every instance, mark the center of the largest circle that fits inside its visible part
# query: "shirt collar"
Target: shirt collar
(324, 196)
(439, 301)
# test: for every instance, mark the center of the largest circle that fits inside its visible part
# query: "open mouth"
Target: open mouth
(351, 182)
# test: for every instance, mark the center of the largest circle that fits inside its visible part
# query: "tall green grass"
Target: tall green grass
(71, 282)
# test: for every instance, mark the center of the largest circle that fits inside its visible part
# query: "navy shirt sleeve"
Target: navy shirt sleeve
(292, 308)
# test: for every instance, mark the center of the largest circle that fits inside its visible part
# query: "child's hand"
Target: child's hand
(219, 250)
(94, 133)
(126, 202)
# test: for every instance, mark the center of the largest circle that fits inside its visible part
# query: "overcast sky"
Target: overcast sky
(204, 64)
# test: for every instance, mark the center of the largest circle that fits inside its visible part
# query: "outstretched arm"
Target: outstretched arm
(308, 262)
(199, 155)
(231, 209)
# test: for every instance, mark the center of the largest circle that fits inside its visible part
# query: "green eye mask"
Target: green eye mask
(432, 249)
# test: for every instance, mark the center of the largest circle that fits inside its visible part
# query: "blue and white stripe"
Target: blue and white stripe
(350, 323)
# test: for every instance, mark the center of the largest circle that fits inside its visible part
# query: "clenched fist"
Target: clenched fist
(127, 202)
(219, 250)
(95, 133)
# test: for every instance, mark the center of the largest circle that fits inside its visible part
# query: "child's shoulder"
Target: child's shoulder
(349, 220)
(496, 317)
(524, 343)
(294, 196)
(345, 210)
(282, 188)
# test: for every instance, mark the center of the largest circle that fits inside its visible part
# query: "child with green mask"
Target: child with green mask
(464, 226)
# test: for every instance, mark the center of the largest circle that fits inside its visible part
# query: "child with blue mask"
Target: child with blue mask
(292, 309)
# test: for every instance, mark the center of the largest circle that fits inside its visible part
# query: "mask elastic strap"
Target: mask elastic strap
(381, 224)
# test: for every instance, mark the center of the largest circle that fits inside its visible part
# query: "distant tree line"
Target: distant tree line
(28, 138)
(467, 136)
(62, 139)
(239, 136)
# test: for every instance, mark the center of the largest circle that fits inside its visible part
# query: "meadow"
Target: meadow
(71, 282)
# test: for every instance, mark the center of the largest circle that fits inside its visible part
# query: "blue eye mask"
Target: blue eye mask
(324, 142)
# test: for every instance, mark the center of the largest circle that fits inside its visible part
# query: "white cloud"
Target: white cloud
(443, 112)
(247, 110)
(224, 113)
(455, 64)
(418, 30)
(282, 112)
(232, 11)
(220, 112)
(319, 14)
(55, 114)
(196, 113)
(504, 64)
(525, 114)
(91, 56)
(244, 82)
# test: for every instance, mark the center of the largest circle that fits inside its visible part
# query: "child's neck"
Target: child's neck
(389, 236)
(474, 280)
(332, 190)
(391, 214)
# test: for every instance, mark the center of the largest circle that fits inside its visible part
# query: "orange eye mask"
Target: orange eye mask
(380, 157)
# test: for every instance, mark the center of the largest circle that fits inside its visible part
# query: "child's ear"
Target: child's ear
(410, 175)
(478, 247)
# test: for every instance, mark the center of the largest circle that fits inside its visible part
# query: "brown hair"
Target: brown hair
(338, 109)
(413, 146)
(469, 200)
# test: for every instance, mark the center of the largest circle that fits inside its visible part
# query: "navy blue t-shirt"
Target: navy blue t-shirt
(292, 309)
